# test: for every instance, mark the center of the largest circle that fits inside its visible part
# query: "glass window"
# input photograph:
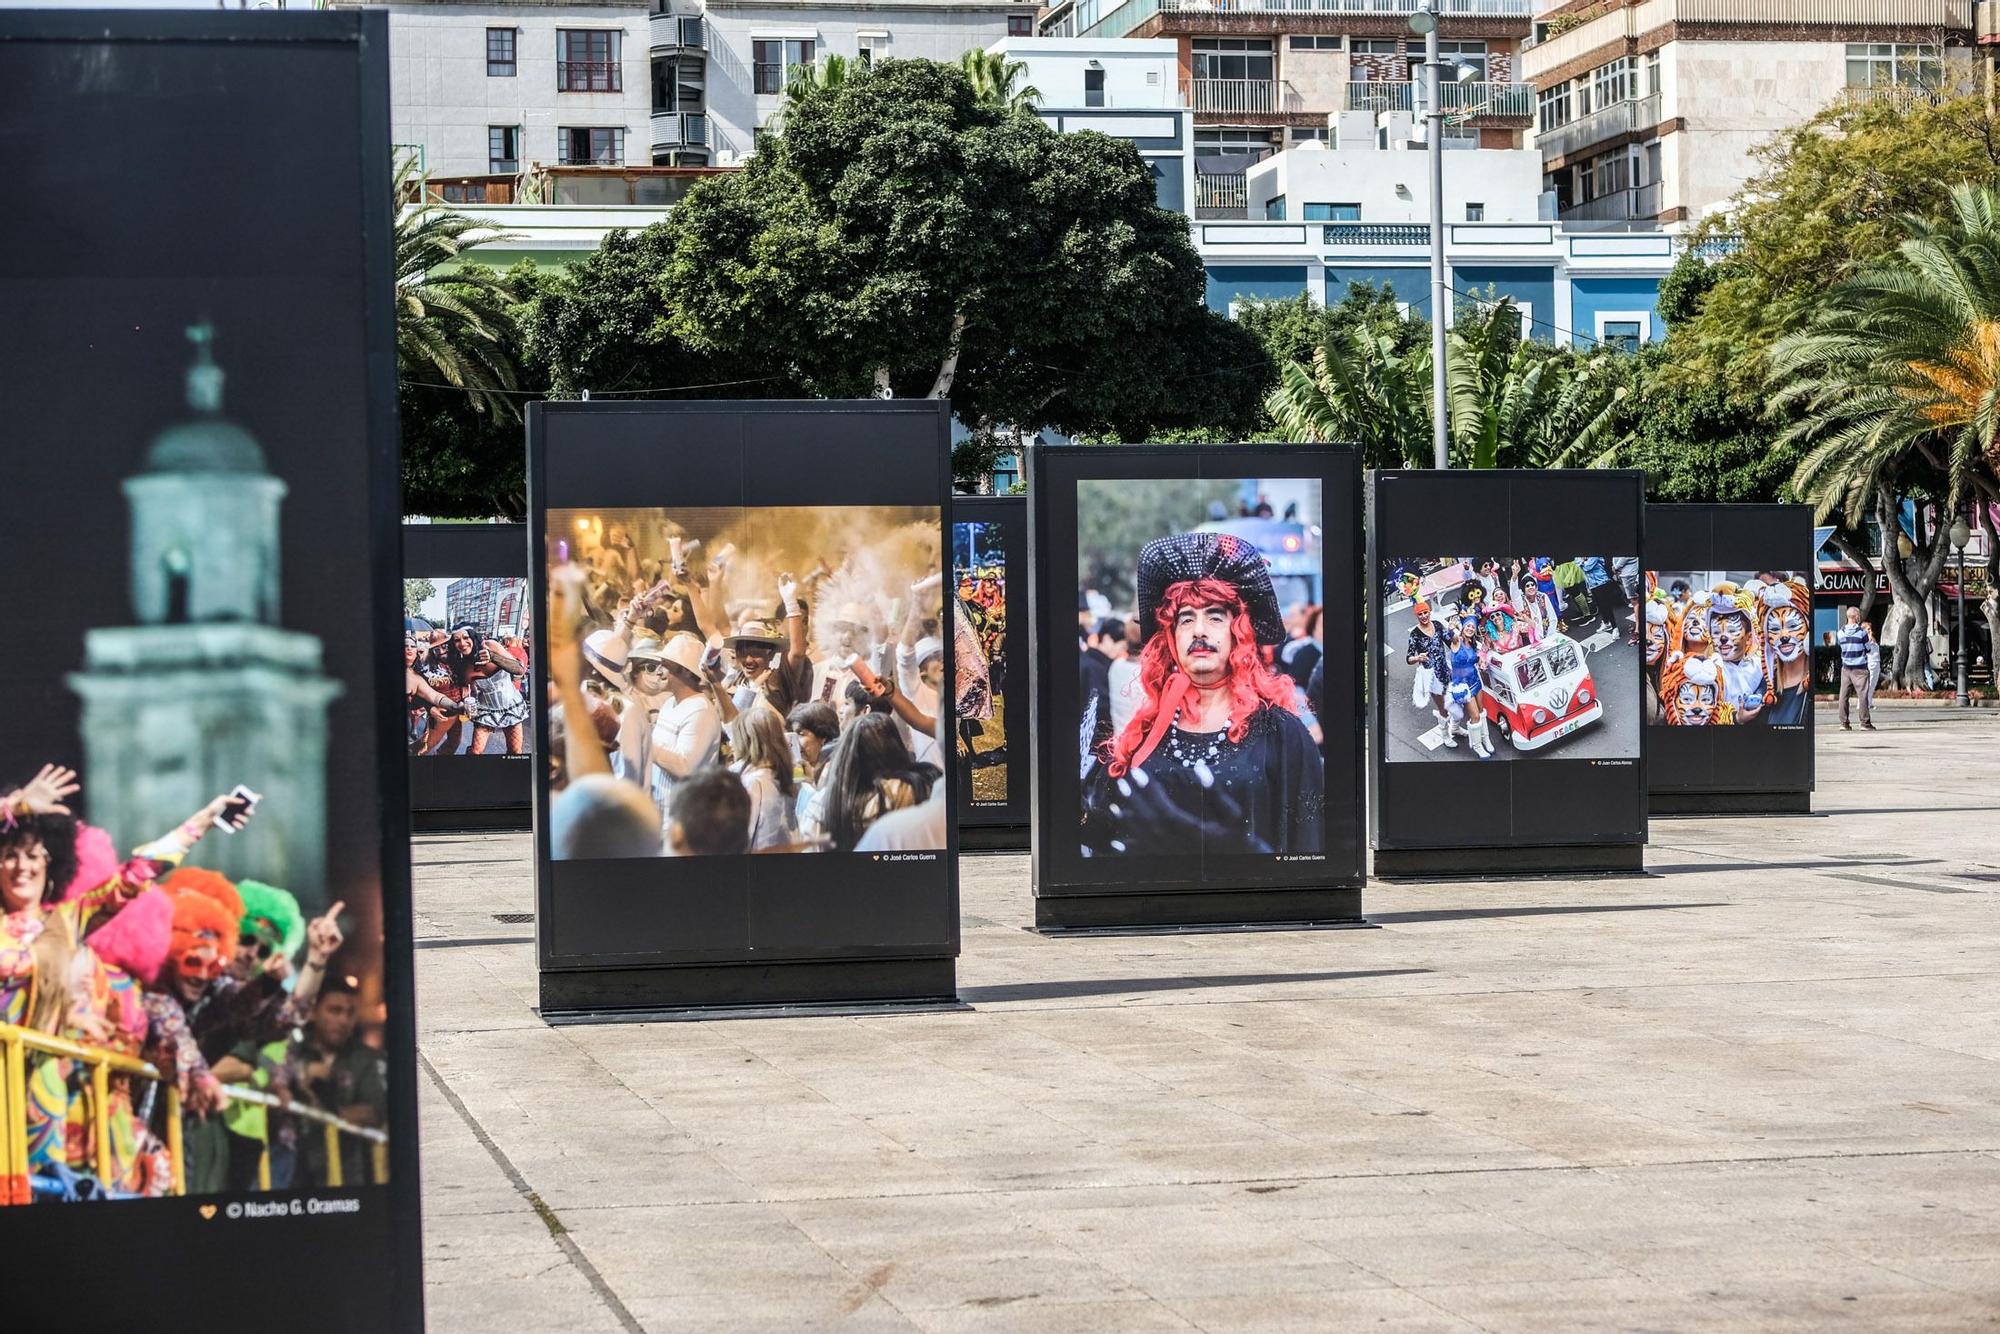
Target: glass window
(1311, 43)
(1653, 74)
(1885, 64)
(1622, 334)
(773, 58)
(1376, 46)
(1475, 212)
(587, 61)
(1311, 134)
(1093, 87)
(503, 148)
(1274, 209)
(592, 146)
(1333, 213)
(1554, 107)
(1233, 58)
(1020, 25)
(1465, 53)
(500, 44)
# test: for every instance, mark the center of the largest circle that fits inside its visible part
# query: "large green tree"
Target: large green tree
(1897, 381)
(905, 235)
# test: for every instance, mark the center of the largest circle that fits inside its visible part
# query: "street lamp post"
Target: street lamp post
(1961, 537)
(1425, 21)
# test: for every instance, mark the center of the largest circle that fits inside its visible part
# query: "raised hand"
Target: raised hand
(323, 937)
(47, 792)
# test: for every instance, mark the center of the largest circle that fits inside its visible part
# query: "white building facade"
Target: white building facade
(491, 88)
(1648, 111)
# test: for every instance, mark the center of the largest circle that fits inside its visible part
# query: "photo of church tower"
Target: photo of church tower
(208, 690)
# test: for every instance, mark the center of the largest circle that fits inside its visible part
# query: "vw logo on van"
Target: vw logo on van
(1559, 701)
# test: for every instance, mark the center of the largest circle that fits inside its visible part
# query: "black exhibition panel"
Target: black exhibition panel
(1250, 824)
(200, 508)
(476, 572)
(1747, 571)
(989, 536)
(1552, 779)
(847, 499)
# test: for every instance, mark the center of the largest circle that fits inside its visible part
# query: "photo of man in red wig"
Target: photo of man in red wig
(1215, 759)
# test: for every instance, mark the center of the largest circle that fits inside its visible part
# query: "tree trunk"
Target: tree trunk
(1911, 582)
(1852, 548)
(941, 387)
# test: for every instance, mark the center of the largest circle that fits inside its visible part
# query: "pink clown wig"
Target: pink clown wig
(136, 940)
(97, 861)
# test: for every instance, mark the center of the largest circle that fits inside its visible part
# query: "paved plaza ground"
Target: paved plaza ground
(1756, 1089)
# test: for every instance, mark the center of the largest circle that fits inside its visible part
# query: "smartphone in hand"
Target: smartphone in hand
(236, 812)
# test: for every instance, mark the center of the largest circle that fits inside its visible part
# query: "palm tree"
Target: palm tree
(452, 327)
(1899, 372)
(1509, 406)
(993, 78)
(1530, 411)
(1902, 363)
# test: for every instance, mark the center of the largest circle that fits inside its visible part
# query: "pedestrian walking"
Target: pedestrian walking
(1857, 643)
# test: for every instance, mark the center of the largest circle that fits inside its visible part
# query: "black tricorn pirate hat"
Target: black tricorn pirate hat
(1167, 561)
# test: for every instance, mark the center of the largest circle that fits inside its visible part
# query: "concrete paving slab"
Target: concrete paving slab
(1758, 1090)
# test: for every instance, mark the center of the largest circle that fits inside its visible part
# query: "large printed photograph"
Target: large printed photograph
(979, 570)
(191, 991)
(1510, 657)
(1728, 648)
(765, 680)
(465, 666)
(1199, 646)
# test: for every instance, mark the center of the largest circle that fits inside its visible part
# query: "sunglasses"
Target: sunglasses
(261, 945)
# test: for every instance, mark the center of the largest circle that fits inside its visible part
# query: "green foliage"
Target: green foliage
(904, 233)
(996, 80)
(451, 317)
(1290, 328)
(1513, 404)
(1695, 442)
(1120, 518)
(460, 461)
(1827, 201)
(414, 593)
(1683, 288)
(1901, 366)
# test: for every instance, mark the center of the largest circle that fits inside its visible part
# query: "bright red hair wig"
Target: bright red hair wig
(1252, 682)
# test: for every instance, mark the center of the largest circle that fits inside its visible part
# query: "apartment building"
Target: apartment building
(1265, 75)
(1647, 111)
(482, 91)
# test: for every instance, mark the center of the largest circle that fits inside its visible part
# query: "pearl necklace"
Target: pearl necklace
(1187, 754)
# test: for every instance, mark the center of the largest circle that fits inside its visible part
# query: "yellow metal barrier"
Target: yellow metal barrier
(15, 1044)
(19, 1042)
(333, 1127)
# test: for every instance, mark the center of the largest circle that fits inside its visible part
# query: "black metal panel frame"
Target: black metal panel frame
(657, 933)
(1074, 892)
(469, 791)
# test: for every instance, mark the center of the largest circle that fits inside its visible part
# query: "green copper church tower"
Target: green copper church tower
(208, 690)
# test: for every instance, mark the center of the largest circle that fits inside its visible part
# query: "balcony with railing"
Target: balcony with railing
(1221, 197)
(1641, 203)
(1901, 96)
(1242, 97)
(1986, 21)
(1634, 115)
(680, 129)
(1560, 46)
(590, 76)
(1467, 101)
(1115, 18)
(676, 32)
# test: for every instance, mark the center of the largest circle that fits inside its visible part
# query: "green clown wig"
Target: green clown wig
(274, 914)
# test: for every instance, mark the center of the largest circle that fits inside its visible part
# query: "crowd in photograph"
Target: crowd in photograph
(465, 690)
(715, 702)
(1471, 610)
(218, 998)
(1731, 651)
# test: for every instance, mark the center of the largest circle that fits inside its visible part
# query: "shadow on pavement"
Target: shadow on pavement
(1124, 986)
(1467, 914)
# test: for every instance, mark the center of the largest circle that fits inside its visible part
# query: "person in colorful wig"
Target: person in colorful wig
(1215, 759)
(1732, 625)
(1786, 609)
(1654, 617)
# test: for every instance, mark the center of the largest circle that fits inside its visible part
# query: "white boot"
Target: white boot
(1482, 740)
(1451, 734)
